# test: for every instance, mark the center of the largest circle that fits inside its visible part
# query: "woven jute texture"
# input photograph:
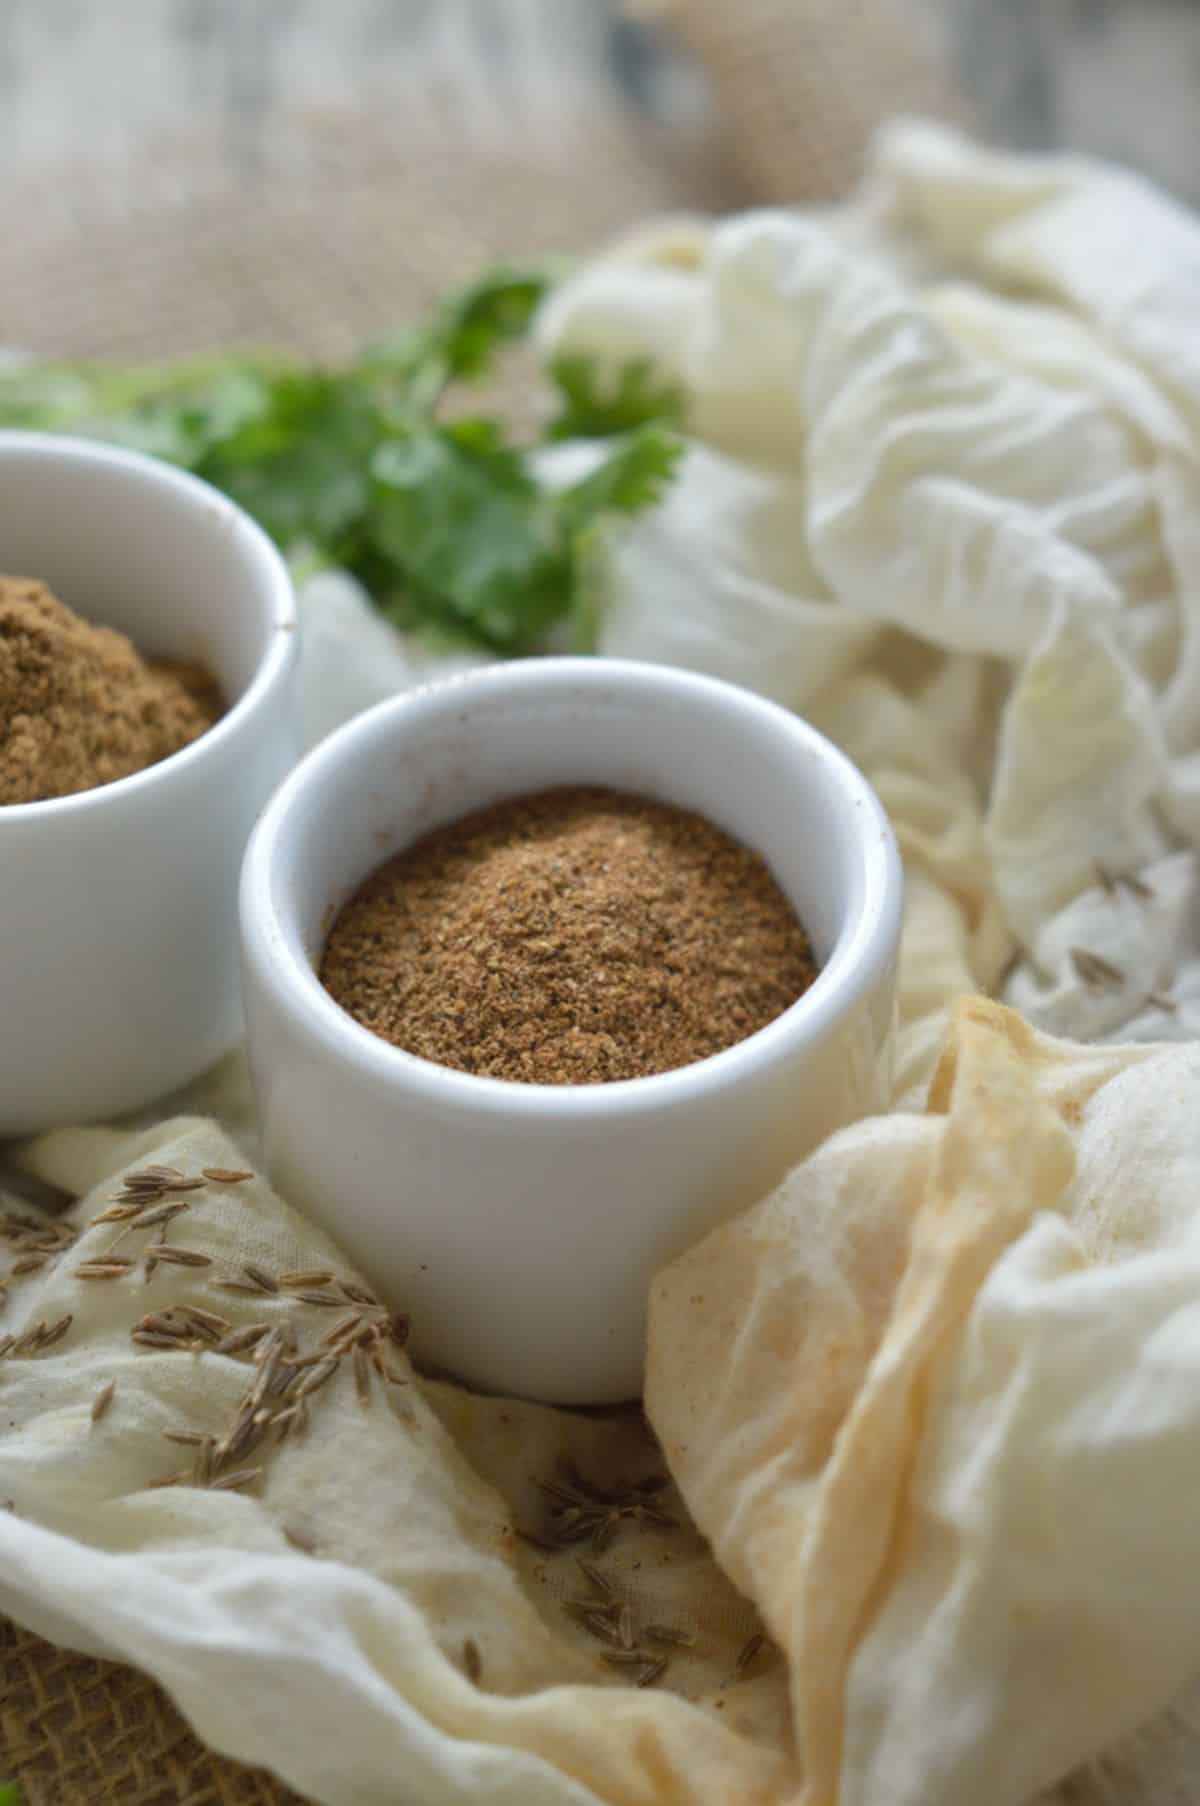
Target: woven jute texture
(325, 225)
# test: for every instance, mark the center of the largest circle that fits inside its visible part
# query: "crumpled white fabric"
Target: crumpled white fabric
(933, 1402)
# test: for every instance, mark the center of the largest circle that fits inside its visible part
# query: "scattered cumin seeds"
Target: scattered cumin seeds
(167, 1480)
(1094, 970)
(240, 1285)
(28, 1341)
(306, 1276)
(181, 1257)
(103, 1400)
(6, 1345)
(472, 1661)
(325, 1298)
(625, 1634)
(652, 1672)
(746, 1654)
(225, 1175)
(184, 1185)
(57, 1331)
(28, 1263)
(622, 1658)
(152, 1175)
(234, 1482)
(1162, 1002)
(103, 1269)
(191, 1439)
(155, 1338)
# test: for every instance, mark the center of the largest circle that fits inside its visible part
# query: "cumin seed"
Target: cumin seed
(28, 1263)
(57, 1331)
(1162, 1002)
(29, 1340)
(316, 1377)
(154, 1338)
(234, 1482)
(191, 1439)
(358, 1294)
(340, 1329)
(225, 1175)
(6, 1345)
(622, 1658)
(300, 1539)
(625, 1634)
(167, 1480)
(325, 1298)
(209, 1319)
(472, 1661)
(652, 1672)
(306, 1276)
(181, 1257)
(103, 1269)
(257, 1277)
(103, 1400)
(240, 1285)
(591, 1573)
(1094, 970)
(362, 1376)
(750, 1648)
(239, 1340)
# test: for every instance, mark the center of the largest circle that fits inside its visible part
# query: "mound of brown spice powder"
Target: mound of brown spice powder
(569, 938)
(79, 705)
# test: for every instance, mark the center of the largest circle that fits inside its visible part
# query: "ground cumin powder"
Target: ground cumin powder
(79, 705)
(571, 937)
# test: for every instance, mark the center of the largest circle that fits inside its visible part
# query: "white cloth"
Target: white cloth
(934, 1403)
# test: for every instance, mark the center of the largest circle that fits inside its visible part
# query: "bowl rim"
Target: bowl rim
(865, 947)
(281, 646)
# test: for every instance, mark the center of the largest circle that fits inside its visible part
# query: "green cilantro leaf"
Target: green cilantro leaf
(10, 1794)
(446, 524)
(593, 406)
(632, 477)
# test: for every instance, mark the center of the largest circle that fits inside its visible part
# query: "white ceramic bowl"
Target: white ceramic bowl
(521, 1224)
(118, 906)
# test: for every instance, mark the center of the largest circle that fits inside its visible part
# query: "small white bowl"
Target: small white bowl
(521, 1224)
(118, 906)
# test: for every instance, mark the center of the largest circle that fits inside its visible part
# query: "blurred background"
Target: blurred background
(180, 173)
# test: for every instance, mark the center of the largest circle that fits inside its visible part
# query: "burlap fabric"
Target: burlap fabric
(346, 222)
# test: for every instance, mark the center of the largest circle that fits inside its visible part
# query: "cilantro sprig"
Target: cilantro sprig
(445, 520)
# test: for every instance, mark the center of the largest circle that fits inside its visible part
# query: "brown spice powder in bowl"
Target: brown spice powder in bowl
(79, 705)
(573, 937)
